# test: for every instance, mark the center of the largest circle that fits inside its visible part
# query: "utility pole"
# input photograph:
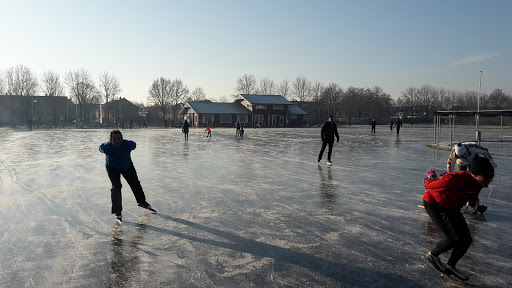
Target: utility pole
(478, 135)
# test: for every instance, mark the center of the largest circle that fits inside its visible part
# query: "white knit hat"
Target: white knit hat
(460, 149)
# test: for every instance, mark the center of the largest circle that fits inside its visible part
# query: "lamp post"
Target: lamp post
(479, 91)
(33, 101)
(478, 136)
(31, 122)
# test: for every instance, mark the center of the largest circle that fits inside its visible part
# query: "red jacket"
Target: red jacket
(452, 190)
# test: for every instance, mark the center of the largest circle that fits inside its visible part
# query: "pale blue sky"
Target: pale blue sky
(210, 44)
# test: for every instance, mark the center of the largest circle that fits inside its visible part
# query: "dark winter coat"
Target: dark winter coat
(118, 157)
(185, 127)
(329, 130)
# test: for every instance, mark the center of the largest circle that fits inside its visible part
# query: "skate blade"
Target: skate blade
(456, 281)
(150, 209)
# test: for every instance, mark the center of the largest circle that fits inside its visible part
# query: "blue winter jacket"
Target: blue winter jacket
(118, 157)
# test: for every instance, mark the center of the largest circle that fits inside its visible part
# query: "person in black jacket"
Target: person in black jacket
(398, 125)
(184, 129)
(373, 123)
(329, 130)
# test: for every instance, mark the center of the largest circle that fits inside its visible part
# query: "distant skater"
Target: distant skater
(185, 129)
(208, 131)
(398, 124)
(391, 124)
(242, 132)
(443, 200)
(373, 123)
(238, 126)
(118, 162)
(328, 131)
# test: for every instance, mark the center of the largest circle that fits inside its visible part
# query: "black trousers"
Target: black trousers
(130, 175)
(455, 229)
(329, 153)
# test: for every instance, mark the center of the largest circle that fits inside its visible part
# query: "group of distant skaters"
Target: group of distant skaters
(397, 125)
(208, 131)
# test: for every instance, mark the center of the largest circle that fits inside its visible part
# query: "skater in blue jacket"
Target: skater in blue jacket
(119, 162)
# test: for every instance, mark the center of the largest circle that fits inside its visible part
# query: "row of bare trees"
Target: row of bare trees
(301, 89)
(165, 94)
(21, 81)
(353, 105)
(356, 105)
(444, 99)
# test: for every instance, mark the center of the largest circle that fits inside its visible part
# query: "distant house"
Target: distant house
(254, 110)
(272, 110)
(203, 113)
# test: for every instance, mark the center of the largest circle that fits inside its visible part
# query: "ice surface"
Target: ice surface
(236, 212)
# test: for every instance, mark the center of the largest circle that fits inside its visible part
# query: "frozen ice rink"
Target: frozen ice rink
(257, 211)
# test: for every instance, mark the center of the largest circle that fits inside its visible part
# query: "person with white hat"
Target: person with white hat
(464, 153)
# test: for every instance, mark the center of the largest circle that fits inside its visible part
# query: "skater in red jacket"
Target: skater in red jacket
(443, 200)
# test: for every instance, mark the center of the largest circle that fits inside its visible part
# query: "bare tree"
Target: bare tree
(160, 95)
(267, 86)
(428, 95)
(179, 93)
(197, 95)
(471, 99)
(2, 84)
(399, 102)
(82, 89)
(316, 91)
(332, 94)
(284, 88)
(349, 103)
(301, 88)
(246, 84)
(51, 84)
(377, 101)
(411, 97)
(21, 82)
(109, 89)
(451, 99)
(223, 99)
(498, 99)
(441, 99)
